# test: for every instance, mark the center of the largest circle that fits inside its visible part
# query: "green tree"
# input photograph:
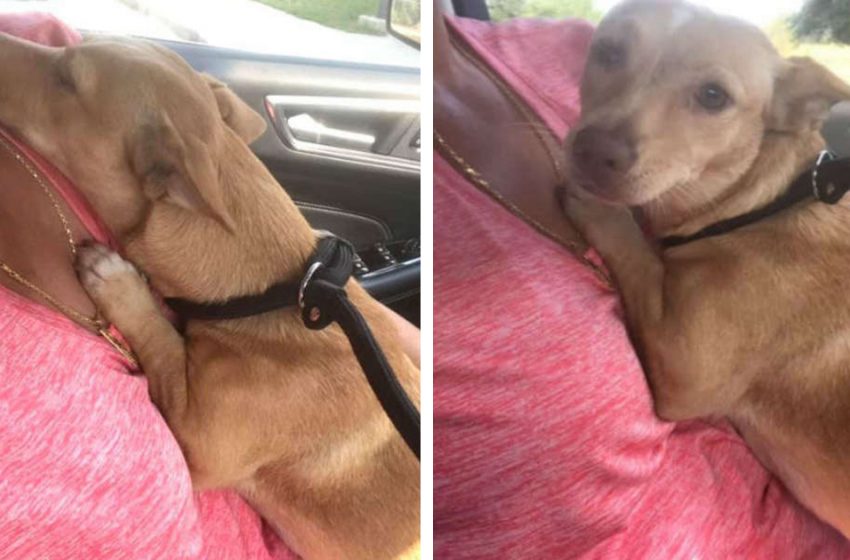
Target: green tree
(823, 21)
(505, 9)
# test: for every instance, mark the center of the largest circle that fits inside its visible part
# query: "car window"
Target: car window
(340, 30)
(796, 27)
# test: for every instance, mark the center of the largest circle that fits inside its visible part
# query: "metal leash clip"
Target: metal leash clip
(308, 276)
(827, 194)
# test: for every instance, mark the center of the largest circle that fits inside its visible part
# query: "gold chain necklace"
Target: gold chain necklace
(475, 177)
(95, 322)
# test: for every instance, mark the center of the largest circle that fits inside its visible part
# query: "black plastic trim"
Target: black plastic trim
(393, 283)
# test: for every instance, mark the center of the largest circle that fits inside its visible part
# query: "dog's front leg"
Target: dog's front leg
(125, 300)
(218, 447)
(681, 388)
(638, 271)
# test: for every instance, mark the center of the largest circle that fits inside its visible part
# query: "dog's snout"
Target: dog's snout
(601, 150)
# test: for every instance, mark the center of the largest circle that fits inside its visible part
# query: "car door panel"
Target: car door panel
(363, 231)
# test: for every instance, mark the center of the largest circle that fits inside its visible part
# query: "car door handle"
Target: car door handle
(369, 131)
(305, 128)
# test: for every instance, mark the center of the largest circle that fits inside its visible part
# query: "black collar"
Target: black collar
(332, 261)
(827, 181)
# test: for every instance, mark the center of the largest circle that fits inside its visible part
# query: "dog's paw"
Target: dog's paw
(595, 219)
(112, 282)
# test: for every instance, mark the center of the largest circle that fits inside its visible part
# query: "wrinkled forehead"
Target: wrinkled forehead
(134, 60)
(682, 40)
(123, 74)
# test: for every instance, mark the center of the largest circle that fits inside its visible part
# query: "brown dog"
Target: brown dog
(280, 413)
(692, 118)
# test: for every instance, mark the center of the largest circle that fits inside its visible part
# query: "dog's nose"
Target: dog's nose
(608, 151)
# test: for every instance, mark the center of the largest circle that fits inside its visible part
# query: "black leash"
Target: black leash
(322, 299)
(827, 181)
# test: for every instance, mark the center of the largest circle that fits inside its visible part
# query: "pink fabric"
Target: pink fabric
(39, 28)
(88, 468)
(545, 442)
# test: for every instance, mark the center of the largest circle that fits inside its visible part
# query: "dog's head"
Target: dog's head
(130, 122)
(676, 103)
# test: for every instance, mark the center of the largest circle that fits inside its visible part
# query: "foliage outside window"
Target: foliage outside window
(407, 19)
(339, 14)
(823, 21)
(820, 30)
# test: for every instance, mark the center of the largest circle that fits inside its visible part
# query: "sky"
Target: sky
(759, 12)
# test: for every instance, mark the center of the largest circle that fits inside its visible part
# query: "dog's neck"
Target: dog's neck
(780, 160)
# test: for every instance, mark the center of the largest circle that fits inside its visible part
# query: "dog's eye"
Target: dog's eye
(609, 55)
(712, 97)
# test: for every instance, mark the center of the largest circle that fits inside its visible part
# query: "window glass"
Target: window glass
(342, 30)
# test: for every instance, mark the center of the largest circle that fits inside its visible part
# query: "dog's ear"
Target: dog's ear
(246, 122)
(176, 170)
(803, 93)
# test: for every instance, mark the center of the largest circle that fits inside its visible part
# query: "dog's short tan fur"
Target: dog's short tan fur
(281, 413)
(753, 325)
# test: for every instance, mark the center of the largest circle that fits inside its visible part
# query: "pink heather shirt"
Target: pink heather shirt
(545, 442)
(88, 467)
